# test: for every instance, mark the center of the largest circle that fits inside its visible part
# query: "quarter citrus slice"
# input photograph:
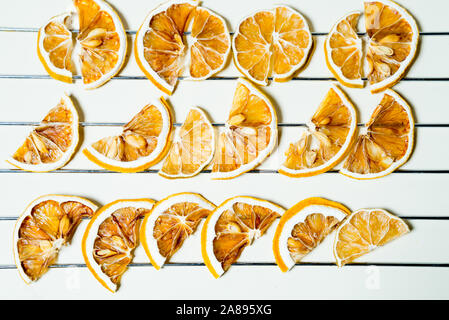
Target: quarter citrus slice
(272, 43)
(110, 239)
(192, 149)
(170, 223)
(343, 51)
(143, 142)
(47, 224)
(233, 226)
(179, 35)
(385, 143)
(364, 231)
(326, 139)
(393, 41)
(52, 143)
(250, 133)
(303, 227)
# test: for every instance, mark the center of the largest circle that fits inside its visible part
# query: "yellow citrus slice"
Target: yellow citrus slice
(192, 149)
(179, 35)
(171, 222)
(326, 140)
(303, 227)
(250, 133)
(52, 143)
(55, 46)
(365, 230)
(143, 142)
(393, 41)
(110, 239)
(386, 141)
(272, 43)
(232, 227)
(47, 224)
(343, 51)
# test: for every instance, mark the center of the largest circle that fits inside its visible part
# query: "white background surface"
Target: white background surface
(415, 266)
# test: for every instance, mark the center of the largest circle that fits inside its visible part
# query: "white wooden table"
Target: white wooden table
(415, 266)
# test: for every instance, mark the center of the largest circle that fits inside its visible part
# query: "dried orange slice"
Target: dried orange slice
(233, 226)
(52, 143)
(176, 35)
(250, 133)
(143, 143)
(110, 239)
(100, 45)
(192, 149)
(326, 139)
(393, 41)
(386, 141)
(47, 224)
(303, 227)
(272, 43)
(172, 221)
(365, 230)
(344, 52)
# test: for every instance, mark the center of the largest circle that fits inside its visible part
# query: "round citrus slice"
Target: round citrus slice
(170, 223)
(343, 51)
(393, 41)
(102, 40)
(110, 239)
(232, 227)
(52, 143)
(192, 149)
(176, 35)
(143, 142)
(47, 224)
(364, 231)
(272, 43)
(55, 46)
(326, 139)
(386, 141)
(303, 227)
(250, 133)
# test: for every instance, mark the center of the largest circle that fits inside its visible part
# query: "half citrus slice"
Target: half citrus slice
(250, 133)
(272, 43)
(326, 139)
(364, 231)
(343, 51)
(385, 143)
(144, 141)
(47, 224)
(170, 222)
(303, 227)
(110, 239)
(179, 35)
(52, 143)
(233, 226)
(192, 149)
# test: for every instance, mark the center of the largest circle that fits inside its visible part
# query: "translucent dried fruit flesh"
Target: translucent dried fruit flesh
(391, 40)
(365, 231)
(175, 225)
(57, 42)
(99, 40)
(192, 148)
(307, 235)
(328, 132)
(50, 225)
(239, 227)
(386, 141)
(50, 140)
(248, 131)
(139, 138)
(116, 240)
(272, 43)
